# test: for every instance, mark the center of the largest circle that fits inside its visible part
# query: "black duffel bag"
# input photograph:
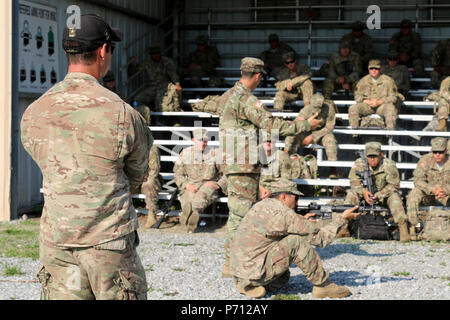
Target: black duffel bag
(375, 227)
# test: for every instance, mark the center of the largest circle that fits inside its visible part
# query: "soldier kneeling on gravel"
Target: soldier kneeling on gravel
(272, 236)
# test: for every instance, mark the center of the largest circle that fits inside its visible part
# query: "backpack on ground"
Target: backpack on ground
(437, 225)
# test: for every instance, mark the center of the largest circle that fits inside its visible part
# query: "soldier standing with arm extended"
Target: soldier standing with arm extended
(386, 184)
(92, 149)
(293, 82)
(376, 93)
(431, 180)
(242, 116)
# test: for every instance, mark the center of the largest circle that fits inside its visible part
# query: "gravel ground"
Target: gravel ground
(188, 267)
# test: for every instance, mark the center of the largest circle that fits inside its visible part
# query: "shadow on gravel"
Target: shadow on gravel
(336, 249)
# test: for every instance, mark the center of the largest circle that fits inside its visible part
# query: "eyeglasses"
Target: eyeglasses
(438, 152)
(373, 68)
(289, 62)
(112, 46)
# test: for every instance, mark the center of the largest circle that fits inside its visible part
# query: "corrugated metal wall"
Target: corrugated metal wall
(27, 175)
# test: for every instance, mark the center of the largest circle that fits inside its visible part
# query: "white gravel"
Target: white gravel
(188, 267)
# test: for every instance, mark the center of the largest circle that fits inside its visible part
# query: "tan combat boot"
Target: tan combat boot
(330, 290)
(226, 268)
(412, 233)
(442, 125)
(403, 228)
(251, 291)
(151, 220)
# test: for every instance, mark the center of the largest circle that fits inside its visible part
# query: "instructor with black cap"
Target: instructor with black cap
(92, 149)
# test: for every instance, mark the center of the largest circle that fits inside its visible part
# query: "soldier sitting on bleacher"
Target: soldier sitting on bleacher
(293, 82)
(444, 104)
(360, 43)
(440, 61)
(273, 57)
(375, 93)
(196, 174)
(399, 73)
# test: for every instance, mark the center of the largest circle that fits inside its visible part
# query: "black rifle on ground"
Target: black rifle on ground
(324, 212)
(166, 209)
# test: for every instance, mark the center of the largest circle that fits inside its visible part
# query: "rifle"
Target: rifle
(324, 212)
(367, 177)
(166, 209)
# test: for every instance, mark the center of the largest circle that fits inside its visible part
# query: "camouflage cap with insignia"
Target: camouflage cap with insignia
(344, 44)
(288, 55)
(393, 55)
(375, 63)
(200, 134)
(283, 185)
(274, 38)
(154, 48)
(252, 65)
(406, 23)
(317, 101)
(373, 148)
(439, 144)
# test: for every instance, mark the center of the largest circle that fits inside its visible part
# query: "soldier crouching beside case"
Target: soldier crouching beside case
(272, 236)
(431, 181)
(197, 175)
(386, 185)
(92, 149)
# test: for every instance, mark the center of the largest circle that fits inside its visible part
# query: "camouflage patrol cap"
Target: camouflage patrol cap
(317, 101)
(439, 144)
(358, 26)
(393, 55)
(375, 63)
(288, 55)
(109, 76)
(406, 23)
(283, 185)
(274, 38)
(93, 33)
(344, 44)
(201, 39)
(373, 148)
(200, 134)
(252, 65)
(154, 48)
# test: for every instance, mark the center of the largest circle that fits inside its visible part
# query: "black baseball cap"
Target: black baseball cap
(93, 33)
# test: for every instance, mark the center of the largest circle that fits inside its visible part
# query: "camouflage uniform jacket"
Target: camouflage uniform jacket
(160, 73)
(427, 175)
(263, 226)
(302, 69)
(383, 88)
(92, 148)
(242, 116)
(208, 59)
(195, 167)
(327, 113)
(386, 178)
(412, 44)
(400, 74)
(349, 67)
(440, 55)
(362, 46)
(273, 58)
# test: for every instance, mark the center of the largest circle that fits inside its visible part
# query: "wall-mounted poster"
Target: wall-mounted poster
(38, 49)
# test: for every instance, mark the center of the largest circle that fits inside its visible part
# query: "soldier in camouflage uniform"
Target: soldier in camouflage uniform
(431, 181)
(273, 57)
(109, 81)
(203, 63)
(375, 93)
(344, 70)
(242, 116)
(440, 61)
(444, 104)
(197, 174)
(399, 73)
(409, 46)
(323, 135)
(293, 82)
(91, 164)
(386, 184)
(272, 236)
(164, 90)
(360, 43)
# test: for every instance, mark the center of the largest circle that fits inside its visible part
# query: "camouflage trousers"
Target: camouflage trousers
(393, 203)
(328, 141)
(110, 271)
(330, 85)
(305, 92)
(436, 79)
(387, 110)
(165, 98)
(292, 248)
(416, 197)
(196, 76)
(443, 109)
(198, 202)
(242, 195)
(417, 64)
(151, 189)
